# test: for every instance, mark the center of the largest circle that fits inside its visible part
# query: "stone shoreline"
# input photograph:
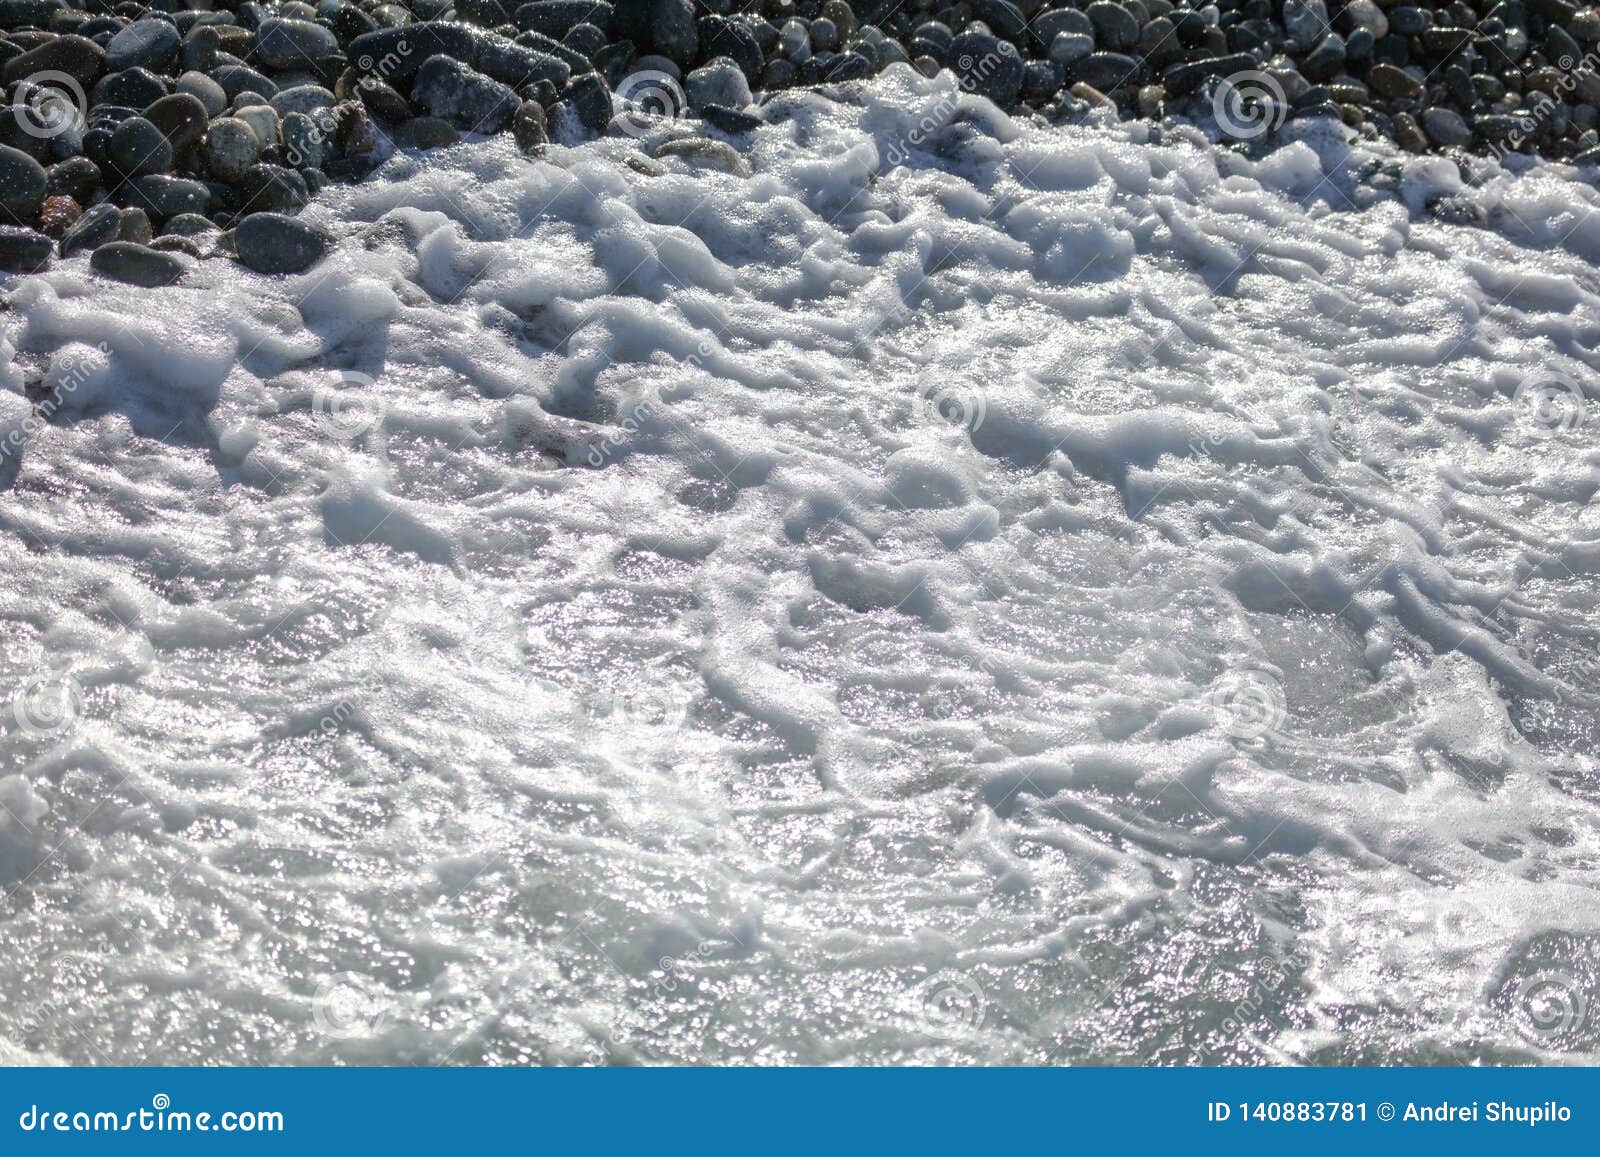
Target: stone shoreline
(154, 138)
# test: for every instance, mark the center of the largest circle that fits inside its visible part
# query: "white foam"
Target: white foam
(692, 617)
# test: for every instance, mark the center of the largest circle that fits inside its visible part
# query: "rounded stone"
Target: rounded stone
(58, 214)
(263, 120)
(77, 56)
(75, 177)
(136, 264)
(207, 91)
(302, 98)
(381, 100)
(721, 82)
(149, 43)
(272, 243)
(530, 128)
(98, 225)
(987, 65)
(466, 98)
(293, 44)
(133, 224)
(181, 118)
(139, 148)
(303, 141)
(269, 187)
(22, 186)
(189, 225)
(130, 88)
(231, 147)
(23, 250)
(1115, 28)
(1445, 128)
(162, 196)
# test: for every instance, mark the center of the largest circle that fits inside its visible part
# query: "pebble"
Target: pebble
(272, 243)
(273, 187)
(1365, 14)
(207, 91)
(181, 118)
(467, 99)
(303, 141)
(1445, 128)
(721, 82)
(148, 43)
(138, 148)
(1114, 26)
(58, 214)
(706, 152)
(530, 129)
(302, 98)
(22, 185)
(77, 56)
(75, 177)
(23, 250)
(986, 65)
(162, 196)
(262, 119)
(136, 264)
(1394, 83)
(189, 225)
(293, 44)
(231, 147)
(97, 226)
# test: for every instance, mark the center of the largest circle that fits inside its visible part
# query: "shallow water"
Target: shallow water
(1076, 596)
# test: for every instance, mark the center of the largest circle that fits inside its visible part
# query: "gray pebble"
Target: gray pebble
(136, 264)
